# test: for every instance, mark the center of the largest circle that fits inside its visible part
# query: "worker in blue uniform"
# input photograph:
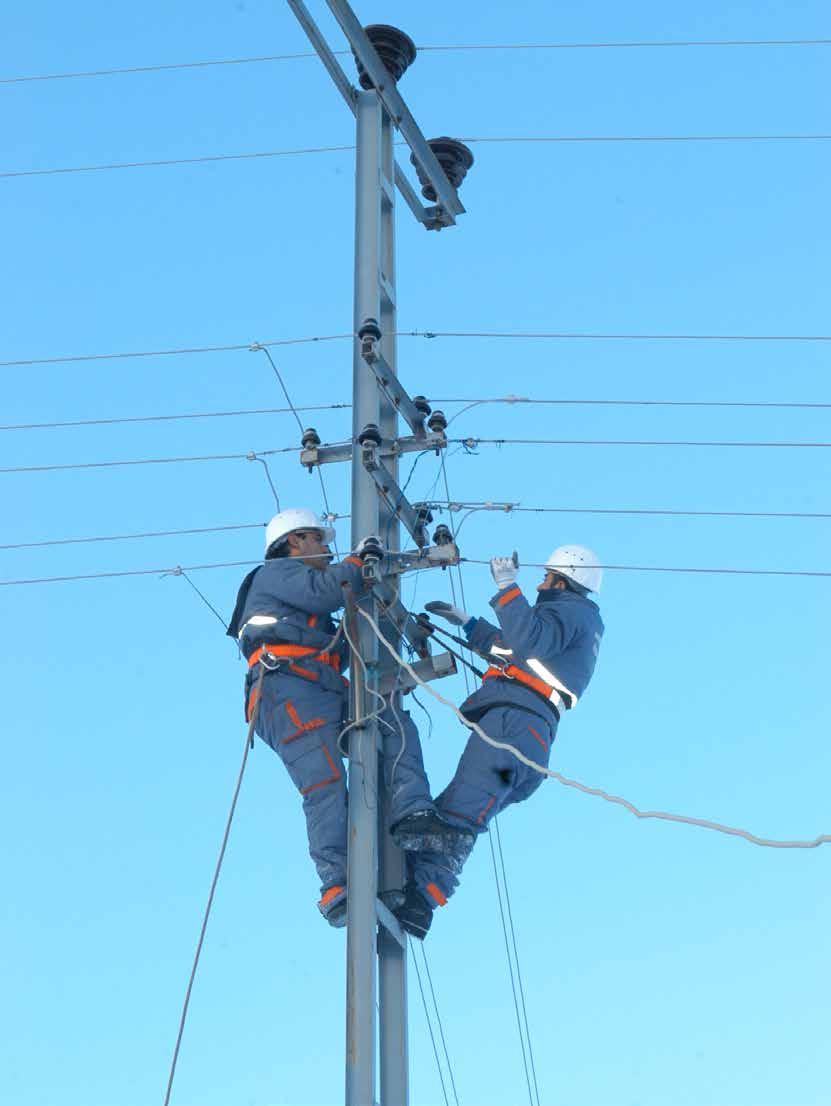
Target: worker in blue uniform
(541, 658)
(283, 622)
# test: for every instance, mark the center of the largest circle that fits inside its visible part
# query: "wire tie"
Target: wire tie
(255, 347)
(177, 571)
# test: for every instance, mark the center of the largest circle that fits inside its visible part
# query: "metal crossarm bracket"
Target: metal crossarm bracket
(405, 623)
(430, 668)
(390, 447)
(448, 199)
(432, 218)
(432, 556)
(415, 520)
(370, 338)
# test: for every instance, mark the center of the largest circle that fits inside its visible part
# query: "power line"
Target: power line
(250, 456)
(74, 358)
(472, 443)
(533, 139)
(175, 571)
(133, 537)
(675, 568)
(429, 1026)
(596, 336)
(174, 161)
(173, 418)
(450, 48)
(512, 508)
(432, 334)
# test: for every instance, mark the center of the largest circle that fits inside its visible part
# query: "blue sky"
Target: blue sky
(662, 963)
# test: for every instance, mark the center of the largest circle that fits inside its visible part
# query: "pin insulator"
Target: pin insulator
(454, 158)
(437, 422)
(371, 550)
(370, 435)
(396, 50)
(421, 405)
(442, 535)
(370, 329)
(310, 439)
(423, 513)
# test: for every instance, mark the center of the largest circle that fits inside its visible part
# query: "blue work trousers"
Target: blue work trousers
(302, 723)
(486, 781)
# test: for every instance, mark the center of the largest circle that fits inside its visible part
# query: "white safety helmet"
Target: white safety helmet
(295, 518)
(577, 563)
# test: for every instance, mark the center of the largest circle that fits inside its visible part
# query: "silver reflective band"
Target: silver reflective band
(546, 674)
(258, 620)
(501, 651)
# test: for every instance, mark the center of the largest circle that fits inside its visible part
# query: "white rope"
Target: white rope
(703, 823)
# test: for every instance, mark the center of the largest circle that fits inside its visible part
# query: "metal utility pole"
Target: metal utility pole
(378, 507)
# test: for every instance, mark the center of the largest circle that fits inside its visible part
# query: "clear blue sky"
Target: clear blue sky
(663, 964)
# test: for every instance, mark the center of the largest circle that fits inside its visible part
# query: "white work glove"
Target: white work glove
(454, 615)
(504, 570)
(369, 546)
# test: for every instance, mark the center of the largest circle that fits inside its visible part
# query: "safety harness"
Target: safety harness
(292, 652)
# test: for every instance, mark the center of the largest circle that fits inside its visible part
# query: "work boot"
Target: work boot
(415, 914)
(332, 905)
(428, 830)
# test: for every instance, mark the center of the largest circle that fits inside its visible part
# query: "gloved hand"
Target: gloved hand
(454, 615)
(504, 570)
(370, 546)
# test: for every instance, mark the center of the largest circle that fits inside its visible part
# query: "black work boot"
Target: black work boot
(415, 914)
(428, 830)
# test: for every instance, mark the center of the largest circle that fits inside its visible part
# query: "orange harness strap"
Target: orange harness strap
(275, 650)
(522, 677)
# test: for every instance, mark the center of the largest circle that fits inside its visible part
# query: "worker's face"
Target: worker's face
(311, 548)
(551, 581)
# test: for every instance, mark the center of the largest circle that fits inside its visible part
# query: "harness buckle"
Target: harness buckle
(273, 664)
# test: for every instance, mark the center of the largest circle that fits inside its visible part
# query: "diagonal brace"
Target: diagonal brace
(414, 519)
(370, 337)
(403, 621)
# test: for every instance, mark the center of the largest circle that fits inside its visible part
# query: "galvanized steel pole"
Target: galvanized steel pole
(362, 866)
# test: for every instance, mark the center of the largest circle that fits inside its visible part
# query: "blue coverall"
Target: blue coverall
(559, 637)
(304, 704)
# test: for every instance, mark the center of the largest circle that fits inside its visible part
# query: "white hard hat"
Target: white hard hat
(577, 563)
(295, 518)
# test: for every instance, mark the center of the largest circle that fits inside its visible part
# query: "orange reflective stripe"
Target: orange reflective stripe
(354, 561)
(331, 893)
(508, 595)
(330, 779)
(302, 727)
(537, 737)
(311, 620)
(435, 893)
(486, 808)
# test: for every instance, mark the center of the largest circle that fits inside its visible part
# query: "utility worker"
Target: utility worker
(541, 660)
(282, 621)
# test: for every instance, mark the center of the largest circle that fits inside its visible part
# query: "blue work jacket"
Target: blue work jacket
(556, 641)
(288, 602)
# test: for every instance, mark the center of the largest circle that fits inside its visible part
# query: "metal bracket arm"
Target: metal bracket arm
(404, 622)
(392, 495)
(391, 385)
(391, 98)
(430, 668)
(390, 447)
(432, 556)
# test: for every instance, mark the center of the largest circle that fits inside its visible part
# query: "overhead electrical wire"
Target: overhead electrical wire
(446, 48)
(432, 334)
(473, 442)
(166, 569)
(470, 403)
(74, 358)
(563, 139)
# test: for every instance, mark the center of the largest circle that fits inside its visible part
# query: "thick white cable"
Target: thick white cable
(685, 819)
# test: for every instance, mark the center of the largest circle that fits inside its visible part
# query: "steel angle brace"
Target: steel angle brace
(313, 453)
(403, 621)
(414, 411)
(432, 218)
(448, 201)
(432, 556)
(415, 519)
